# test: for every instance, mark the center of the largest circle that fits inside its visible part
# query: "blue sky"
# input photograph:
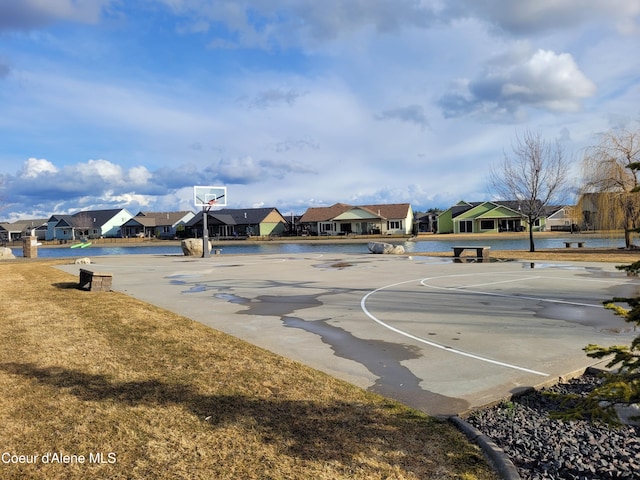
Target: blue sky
(298, 103)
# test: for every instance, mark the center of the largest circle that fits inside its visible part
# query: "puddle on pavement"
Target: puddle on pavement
(339, 264)
(600, 319)
(231, 298)
(597, 318)
(590, 271)
(278, 306)
(480, 260)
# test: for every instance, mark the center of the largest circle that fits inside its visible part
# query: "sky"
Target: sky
(298, 103)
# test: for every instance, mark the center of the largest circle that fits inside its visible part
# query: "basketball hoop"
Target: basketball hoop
(208, 197)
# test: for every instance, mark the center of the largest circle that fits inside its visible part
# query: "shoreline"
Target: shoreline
(421, 237)
(586, 254)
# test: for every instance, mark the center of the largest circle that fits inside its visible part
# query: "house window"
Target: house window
(326, 227)
(466, 226)
(394, 225)
(487, 225)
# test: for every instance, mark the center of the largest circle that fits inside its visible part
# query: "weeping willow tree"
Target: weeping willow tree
(610, 192)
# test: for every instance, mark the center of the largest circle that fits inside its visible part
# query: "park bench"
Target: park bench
(95, 281)
(578, 244)
(481, 252)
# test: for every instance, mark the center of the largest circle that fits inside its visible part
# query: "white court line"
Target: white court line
(487, 283)
(503, 295)
(433, 344)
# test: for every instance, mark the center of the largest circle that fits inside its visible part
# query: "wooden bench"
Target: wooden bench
(481, 252)
(579, 244)
(95, 281)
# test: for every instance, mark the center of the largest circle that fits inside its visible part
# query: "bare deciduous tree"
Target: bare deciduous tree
(611, 181)
(535, 175)
(82, 225)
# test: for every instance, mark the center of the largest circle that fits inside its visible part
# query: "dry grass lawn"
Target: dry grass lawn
(160, 396)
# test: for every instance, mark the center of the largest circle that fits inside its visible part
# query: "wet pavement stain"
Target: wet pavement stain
(278, 306)
(382, 359)
(600, 319)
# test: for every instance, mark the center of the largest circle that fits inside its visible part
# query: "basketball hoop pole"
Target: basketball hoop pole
(205, 233)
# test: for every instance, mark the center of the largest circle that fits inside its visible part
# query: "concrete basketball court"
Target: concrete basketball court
(440, 336)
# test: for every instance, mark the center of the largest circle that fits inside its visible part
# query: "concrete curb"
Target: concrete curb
(494, 454)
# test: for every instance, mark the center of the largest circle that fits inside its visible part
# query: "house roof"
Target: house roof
(212, 217)
(552, 210)
(153, 219)
(463, 207)
(97, 218)
(321, 214)
(246, 216)
(142, 221)
(23, 225)
(324, 214)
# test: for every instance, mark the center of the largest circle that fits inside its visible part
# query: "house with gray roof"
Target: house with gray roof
(87, 224)
(498, 216)
(165, 225)
(239, 222)
(21, 228)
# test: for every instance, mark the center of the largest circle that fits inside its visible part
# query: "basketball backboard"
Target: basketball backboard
(208, 196)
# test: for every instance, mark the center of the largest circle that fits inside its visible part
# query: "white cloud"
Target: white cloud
(34, 167)
(139, 175)
(103, 169)
(543, 80)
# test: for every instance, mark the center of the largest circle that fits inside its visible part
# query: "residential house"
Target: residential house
(87, 224)
(426, 222)
(239, 222)
(561, 219)
(344, 219)
(165, 225)
(603, 210)
(21, 228)
(485, 217)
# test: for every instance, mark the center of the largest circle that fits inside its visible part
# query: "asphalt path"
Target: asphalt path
(440, 336)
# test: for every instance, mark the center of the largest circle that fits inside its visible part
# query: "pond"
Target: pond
(308, 246)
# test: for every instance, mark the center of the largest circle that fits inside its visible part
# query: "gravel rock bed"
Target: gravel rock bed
(544, 448)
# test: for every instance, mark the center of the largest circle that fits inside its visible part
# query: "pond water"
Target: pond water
(308, 246)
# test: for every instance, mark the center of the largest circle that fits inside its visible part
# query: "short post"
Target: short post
(30, 246)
